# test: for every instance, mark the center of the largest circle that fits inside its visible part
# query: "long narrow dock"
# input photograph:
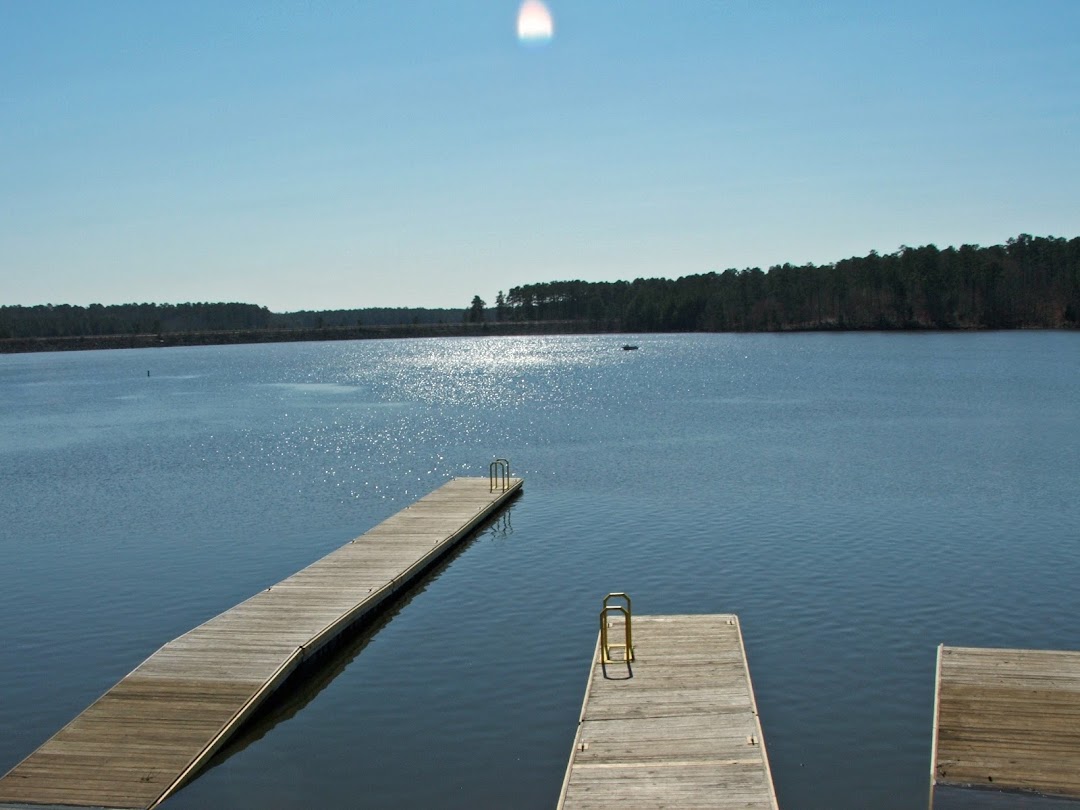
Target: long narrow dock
(677, 727)
(1007, 720)
(141, 740)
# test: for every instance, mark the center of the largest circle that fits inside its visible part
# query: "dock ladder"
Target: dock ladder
(607, 647)
(499, 474)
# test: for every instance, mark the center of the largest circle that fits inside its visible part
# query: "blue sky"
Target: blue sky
(319, 155)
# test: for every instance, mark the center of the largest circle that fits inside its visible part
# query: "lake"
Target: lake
(856, 498)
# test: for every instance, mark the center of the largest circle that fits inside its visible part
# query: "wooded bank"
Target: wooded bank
(1027, 283)
(239, 336)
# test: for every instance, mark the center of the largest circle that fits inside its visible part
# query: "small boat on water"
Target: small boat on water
(628, 348)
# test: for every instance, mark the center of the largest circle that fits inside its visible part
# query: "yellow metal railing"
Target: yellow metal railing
(607, 647)
(499, 474)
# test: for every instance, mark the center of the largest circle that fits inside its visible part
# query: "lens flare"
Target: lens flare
(534, 23)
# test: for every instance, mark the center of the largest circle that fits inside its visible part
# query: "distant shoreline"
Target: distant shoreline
(244, 336)
(1029, 282)
(496, 329)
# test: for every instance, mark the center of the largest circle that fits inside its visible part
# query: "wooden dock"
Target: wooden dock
(678, 727)
(145, 737)
(1007, 720)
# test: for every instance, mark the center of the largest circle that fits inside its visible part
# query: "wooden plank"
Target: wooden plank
(141, 740)
(678, 727)
(1007, 720)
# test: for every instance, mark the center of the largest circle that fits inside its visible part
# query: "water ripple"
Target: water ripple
(857, 499)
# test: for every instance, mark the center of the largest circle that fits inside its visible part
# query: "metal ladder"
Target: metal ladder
(499, 474)
(607, 647)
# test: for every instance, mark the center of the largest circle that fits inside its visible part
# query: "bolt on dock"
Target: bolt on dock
(669, 718)
(144, 738)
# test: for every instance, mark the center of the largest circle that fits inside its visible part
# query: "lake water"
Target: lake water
(856, 498)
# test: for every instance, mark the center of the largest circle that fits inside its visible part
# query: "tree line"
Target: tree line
(1029, 282)
(96, 320)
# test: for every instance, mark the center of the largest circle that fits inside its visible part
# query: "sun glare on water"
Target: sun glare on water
(534, 23)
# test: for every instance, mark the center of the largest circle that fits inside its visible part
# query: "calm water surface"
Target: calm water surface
(856, 499)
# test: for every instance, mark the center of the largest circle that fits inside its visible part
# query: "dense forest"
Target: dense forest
(1029, 282)
(63, 320)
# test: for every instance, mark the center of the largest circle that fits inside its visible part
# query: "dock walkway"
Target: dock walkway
(678, 727)
(141, 740)
(1007, 720)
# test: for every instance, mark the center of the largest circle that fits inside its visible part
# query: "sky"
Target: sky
(337, 155)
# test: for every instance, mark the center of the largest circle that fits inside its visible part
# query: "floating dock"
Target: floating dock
(1007, 720)
(140, 741)
(676, 727)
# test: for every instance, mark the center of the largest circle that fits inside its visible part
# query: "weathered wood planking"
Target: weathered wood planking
(1007, 719)
(143, 738)
(676, 728)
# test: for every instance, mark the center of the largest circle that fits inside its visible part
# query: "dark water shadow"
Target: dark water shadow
(309, 679)
(947, 797)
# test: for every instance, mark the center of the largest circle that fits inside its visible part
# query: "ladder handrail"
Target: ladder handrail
(499, 473)
(606, 647)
